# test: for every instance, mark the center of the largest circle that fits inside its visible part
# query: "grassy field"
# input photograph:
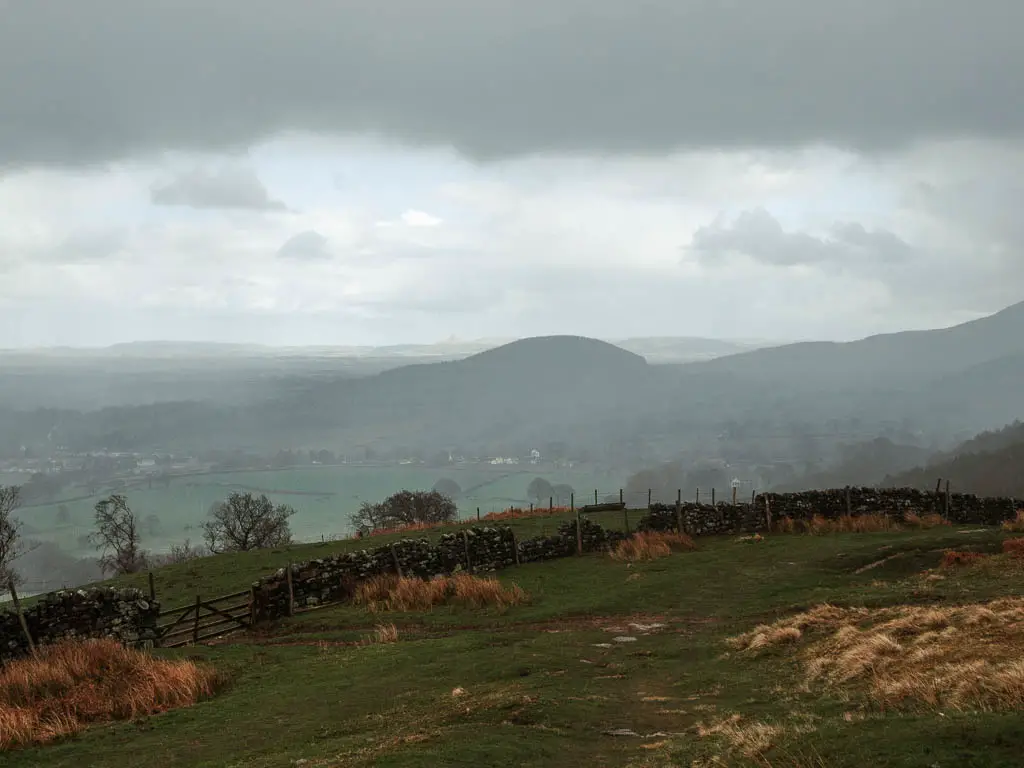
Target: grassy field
(324, 497)
(549, 684)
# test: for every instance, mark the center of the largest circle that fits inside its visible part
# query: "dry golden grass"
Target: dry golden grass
(384, 634)
(1016, 525)
(872, 523)
(1014, 547)
(954, 559)
(390, 593)
(956, 657)
(752, 739)
(819, 525)
(516, 513)
(66, 687)
(651, 545)
(409, 528)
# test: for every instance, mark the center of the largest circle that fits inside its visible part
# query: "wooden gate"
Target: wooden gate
(204, 620)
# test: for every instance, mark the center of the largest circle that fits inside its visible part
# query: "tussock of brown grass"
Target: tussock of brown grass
(1016, 525)
(390, 593)
(954, 559)
(1014, 547)
(956, 657)
(385, 633)
(66, 687)
(750, 739)
(650, 545)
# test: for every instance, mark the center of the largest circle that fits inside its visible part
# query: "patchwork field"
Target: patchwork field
(325, 497)
(745, 652)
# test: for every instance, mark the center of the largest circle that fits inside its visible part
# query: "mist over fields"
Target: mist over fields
(176, 427)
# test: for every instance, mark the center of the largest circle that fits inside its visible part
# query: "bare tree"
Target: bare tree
(10, 534)
(117, 537)
(246, 522)
(405, 508)
(180, 553)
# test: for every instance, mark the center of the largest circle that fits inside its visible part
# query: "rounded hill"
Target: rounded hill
(557, 353)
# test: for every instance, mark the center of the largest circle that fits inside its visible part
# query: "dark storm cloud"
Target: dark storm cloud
(225, 188)
(102, 79)
(305, 246)
(759, 236)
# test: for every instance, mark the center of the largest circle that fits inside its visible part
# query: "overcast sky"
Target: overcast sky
(384, 171)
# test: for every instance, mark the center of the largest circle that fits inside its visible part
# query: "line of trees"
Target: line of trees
(242, 522)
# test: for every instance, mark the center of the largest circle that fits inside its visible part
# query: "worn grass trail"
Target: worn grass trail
(548, 684)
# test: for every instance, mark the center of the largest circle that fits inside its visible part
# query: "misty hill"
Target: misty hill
(991, 464)
(907, 357)
(798, 402)
(146, 372)
(514, 394)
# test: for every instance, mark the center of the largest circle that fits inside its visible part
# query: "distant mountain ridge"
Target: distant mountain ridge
(595, 395)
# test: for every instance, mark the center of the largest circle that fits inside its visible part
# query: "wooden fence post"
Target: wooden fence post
(252, 606)
(713, 497)
(152, 588)
(679, 510)
(291, 590)
(579, 529)
(947, 499)
(595, 497)
(551, 503)
(478, 514)
(195, 621)
(465, 547)
(734, 495)
(531, 507)
(648, 498)
(515, 545)
(398, 565)
(21, 617)
(768, 512)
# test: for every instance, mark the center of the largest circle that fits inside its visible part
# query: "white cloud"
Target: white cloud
(419, 219)
(786, 244)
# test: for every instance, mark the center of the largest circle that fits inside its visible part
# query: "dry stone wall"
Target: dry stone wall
(481, 549)
(962, 508)
(125, 614)
(708, 519)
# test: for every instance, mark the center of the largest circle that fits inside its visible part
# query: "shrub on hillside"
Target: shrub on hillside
(245, 522)
(403, 509)
(66, 687)
(1014, 547)
(1016, 525)
(925, 522)
(954, 559)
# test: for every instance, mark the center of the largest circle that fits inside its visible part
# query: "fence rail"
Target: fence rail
(204, 619)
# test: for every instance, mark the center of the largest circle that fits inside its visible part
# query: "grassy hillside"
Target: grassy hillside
(548, 683)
